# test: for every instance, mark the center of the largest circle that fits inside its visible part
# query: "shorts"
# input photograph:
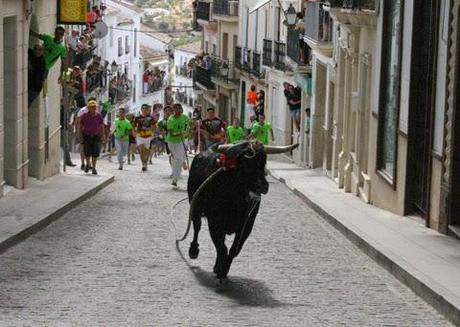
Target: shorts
(92, 145)
(143, 141)
(295, 113)
(132, 139)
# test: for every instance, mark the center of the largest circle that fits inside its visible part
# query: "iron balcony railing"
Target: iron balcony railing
(203, 77)
(225, 7)
(247, 60)
(359, 4)
(256, 67)
(297, 50)
(238, 57)
(318, 23)
(267, 53)
(95, 80)
(280, 54)
(223, 70)
(203, 10)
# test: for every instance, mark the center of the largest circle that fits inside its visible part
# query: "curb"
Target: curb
(36, 227)
(419, 287)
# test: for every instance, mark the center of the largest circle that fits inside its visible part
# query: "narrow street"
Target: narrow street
(112, 261)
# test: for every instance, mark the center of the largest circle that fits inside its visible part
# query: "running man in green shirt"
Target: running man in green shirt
(177, 127)
(260, 130)
(235, 132)
(123, 129)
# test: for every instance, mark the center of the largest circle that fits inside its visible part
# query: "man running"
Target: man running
(177, 126)
(91, 126)
(144, 132)
(79, 139)
(122, 131)
(213, 129)
(260, 130)
(235, 132)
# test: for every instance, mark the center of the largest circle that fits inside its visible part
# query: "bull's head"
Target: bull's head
(248, 160)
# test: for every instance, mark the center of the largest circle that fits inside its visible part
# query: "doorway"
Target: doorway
(422, 106)
(11, 115)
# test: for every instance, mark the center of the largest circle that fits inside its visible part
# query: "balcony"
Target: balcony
(226, 10)
(318, 23)
(246, 60)
(267, 53)
(359, 4)
(298, 51)
(120, 89)
(238, 57)
(203, 11)
(95, 80)
(256, 67)
(223, 73)
(202, 77)
(280, 54)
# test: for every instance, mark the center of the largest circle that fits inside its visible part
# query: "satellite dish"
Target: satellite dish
(101, 30)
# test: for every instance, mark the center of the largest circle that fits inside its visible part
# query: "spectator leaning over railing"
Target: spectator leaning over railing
(54, 48)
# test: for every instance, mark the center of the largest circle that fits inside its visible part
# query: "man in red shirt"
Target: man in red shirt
(91, 127)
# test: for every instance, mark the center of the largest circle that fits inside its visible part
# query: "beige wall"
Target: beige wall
(22, 129)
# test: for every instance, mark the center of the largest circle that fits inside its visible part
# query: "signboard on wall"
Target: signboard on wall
(72, 11)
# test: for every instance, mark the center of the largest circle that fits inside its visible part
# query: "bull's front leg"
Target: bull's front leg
(240, 237)
(218, 238)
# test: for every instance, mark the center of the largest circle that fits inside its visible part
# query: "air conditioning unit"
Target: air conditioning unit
(233, 8)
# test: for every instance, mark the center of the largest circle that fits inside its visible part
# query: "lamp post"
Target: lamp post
(291, 16)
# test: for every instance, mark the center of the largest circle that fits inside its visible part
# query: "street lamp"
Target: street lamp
(114, 67)
(291, 16)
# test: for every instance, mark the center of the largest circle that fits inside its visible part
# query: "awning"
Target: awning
(304, 81)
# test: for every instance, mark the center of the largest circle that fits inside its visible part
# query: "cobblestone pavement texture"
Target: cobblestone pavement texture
(112, 261)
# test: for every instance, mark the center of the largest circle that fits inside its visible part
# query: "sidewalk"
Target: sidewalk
(24, 212)
(421, 258)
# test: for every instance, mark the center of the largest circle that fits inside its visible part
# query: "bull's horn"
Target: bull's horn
(273, 149)
(223, 148)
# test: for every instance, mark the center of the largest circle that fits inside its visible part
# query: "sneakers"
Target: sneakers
(94, 171)
(174, 182)
(144, 168)
(120, 167)
(87, 168)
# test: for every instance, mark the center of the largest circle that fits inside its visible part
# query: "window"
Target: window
(206, 46)
(225, 46)
(390, 89)
(120, 46)
(127, 44)
(214, 48)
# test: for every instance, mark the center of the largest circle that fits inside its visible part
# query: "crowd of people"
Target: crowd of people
(153, 80)
(155, 130)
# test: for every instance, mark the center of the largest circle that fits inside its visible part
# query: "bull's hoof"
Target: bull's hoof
(193, 251)
(221, 282)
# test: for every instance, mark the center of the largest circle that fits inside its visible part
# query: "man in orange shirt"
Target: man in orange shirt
(251, 100)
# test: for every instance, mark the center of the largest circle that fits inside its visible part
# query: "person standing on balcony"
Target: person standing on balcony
(144, 132)
(294, 100)
(54, 48)
(37, 72)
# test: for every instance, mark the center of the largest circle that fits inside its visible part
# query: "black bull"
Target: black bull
(226, 186)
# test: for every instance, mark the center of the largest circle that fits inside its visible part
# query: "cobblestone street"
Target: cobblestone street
(112, 261)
